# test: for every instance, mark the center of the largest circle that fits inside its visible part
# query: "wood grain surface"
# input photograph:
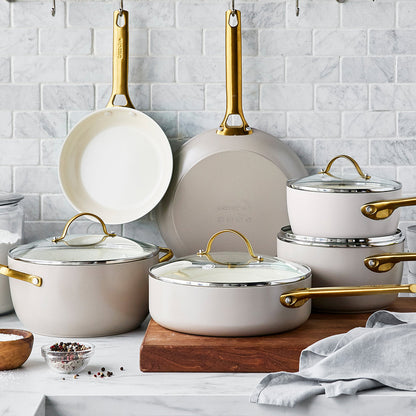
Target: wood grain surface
(164, 350)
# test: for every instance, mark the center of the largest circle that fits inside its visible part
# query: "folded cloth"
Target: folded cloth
(381, 354)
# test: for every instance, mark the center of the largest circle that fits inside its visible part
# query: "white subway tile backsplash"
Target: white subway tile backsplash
(5, 70)
(215, 96)
(56, 207)
(303, 148)
(89, 69)
(392, 42)
(152, 69)
(191, 14)
(35, 124)
(340, 42)
(90, 14)
(404, 152)
(167, 120)
(67, 97)
(172, 42)
(407, 176)
(5, 124)
(35, 14)
(214, 42)
(203, 69)
(407, 124)
(178, 97)
(6, 178)
(18, 42)
(264, 14)
(283, 97)
(341, 97)
(33, 69)
(312, 69)
(406, 14)
(63, 42)
(369, 124)
(19, 97)
(36, 179)
(368, 69)
(368, 14)
(155, 13)
(31, 207)
(191, 123)
(263, 69)
(4, 14)
(326, 149)
(50, 151)
(406, 69)
(313, 124)
(313, 14)
(384, 97)
(19, 152)
(273, 123)
(285, 42)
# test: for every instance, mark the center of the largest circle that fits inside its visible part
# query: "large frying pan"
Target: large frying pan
(116, 162)
(234, 177)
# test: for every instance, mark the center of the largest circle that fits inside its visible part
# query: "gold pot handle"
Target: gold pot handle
(120, 59)
(207, 251)
(299, 297)
(381, 263)
(233, 76)
(380, 210)
(29, 278)
(167, 256)
(64, 232)
(356, 165)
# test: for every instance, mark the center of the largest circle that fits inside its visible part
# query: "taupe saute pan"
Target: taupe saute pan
(239, 294)
(231, 177)
(116, 162)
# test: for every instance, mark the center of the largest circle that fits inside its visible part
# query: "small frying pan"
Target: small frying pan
(116, 162)
(233, 177)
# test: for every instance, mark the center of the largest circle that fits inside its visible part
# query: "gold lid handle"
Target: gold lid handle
(381, 263)
(380, 210)
(297, 298)
(120, 58)
(207, 251)
(233, 76)
(356, 165)
(29, 278)
(64, 232)
(168, 254)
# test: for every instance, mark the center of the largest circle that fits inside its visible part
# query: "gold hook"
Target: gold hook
(53, 11)
(121, 9)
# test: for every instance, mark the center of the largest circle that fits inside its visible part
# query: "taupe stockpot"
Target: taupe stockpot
(345, 206)
(238, 294)
(81, 285)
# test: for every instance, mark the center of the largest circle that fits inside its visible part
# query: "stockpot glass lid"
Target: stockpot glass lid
(78, 249)
(324, 181)
(229, 269)
(288, 236)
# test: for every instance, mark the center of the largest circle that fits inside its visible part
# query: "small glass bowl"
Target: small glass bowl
(67, 362)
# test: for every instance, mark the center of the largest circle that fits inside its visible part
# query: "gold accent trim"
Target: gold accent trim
(167, 256)
(233, 76)
(207, 251)
(381, 210)
(120, 59)
(64, 232)
(356, 165)
(381, 263)
(14, 274)
(297, 298)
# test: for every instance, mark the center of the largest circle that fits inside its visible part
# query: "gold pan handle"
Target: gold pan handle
(380, 210)
(297, 298)
(29, 278)
(381, 263)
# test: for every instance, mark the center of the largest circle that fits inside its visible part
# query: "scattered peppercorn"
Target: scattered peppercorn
(95, 375)
(102, 375)
(121, 368)
(63, 378)
(89, 372)
(103, 369)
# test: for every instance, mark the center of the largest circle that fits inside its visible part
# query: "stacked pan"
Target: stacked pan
(345, 228)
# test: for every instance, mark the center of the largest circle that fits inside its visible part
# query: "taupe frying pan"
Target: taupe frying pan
(233, 177)
(116, 162)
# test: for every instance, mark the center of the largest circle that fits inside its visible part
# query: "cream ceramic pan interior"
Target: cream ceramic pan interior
(117, 163)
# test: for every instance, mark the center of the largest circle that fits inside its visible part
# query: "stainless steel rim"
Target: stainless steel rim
(288, 236)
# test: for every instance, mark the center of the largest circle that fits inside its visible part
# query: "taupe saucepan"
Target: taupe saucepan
(238, 294)
(81, 285)
(353, 206)
(234, 176)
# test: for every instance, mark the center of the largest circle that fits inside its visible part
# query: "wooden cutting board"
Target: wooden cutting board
(165, 350)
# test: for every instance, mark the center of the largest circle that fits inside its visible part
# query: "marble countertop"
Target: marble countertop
(36, 390)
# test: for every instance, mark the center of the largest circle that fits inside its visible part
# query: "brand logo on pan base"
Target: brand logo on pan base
(234, 214)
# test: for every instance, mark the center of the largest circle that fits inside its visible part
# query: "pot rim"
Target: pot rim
(286, 235)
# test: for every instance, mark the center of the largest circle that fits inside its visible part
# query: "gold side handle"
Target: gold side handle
(64, 232)
(356, 165)
(207, 251)
(29, 278)
(380, 210)
(120, 59)
(233, 76)
(381, 263)
(168, 254)
(297, 298)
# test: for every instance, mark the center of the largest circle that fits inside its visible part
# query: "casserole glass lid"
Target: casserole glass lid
(76, 249)
(229, 269)
(324, 181)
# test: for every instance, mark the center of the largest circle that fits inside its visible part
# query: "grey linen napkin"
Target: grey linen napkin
(381, 354)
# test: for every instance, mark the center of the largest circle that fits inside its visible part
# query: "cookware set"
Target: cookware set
(116, 166)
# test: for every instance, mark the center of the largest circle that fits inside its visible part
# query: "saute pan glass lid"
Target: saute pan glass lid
(327, 182)
(86, 249)
(229, 269)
